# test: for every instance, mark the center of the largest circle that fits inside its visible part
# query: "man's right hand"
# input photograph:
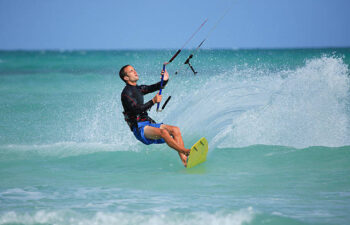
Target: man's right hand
(157, 98)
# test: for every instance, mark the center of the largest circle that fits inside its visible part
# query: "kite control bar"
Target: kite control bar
(161, 86)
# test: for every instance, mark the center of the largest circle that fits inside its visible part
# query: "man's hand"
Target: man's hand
(157, 98)
(166, 75)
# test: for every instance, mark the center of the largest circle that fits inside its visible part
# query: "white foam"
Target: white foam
(66, 149)
(20, 194)
(242, 216)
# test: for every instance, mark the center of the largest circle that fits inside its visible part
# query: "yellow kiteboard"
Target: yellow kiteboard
(198, 153)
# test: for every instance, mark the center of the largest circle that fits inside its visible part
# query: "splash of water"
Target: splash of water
(302, 107)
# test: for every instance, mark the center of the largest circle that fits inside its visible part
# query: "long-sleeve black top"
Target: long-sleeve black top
(135, 110)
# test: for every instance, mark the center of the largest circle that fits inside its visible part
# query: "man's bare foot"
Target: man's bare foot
(186, 152)
(184, 159)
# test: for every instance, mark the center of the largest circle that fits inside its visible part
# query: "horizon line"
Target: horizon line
(170, 49)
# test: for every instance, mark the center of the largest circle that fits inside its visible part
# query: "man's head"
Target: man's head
(129, 75)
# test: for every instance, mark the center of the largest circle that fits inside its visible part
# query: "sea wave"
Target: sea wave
(66, 149)
(243, 216)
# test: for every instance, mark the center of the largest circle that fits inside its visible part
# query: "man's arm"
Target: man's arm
(155, 87)
(146, 89)
(132, 106)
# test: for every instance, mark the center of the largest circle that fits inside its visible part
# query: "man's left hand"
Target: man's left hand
(166, 75)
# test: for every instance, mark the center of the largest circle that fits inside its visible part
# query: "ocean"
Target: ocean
(277, 123)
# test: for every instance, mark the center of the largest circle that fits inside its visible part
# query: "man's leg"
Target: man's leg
(157, 133)
(176, 134)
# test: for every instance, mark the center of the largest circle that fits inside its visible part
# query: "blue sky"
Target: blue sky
(159, 24)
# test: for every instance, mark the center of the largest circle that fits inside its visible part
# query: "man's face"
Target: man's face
(131, 74)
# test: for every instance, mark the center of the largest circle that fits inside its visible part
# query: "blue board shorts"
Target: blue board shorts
(140, 133)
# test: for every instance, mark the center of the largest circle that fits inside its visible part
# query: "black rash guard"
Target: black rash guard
(135, 110)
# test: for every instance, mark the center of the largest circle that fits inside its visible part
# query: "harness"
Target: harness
(132, 120)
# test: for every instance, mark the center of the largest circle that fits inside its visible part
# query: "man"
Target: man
(144, 128)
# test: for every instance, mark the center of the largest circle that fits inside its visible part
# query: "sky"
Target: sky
(165, 24)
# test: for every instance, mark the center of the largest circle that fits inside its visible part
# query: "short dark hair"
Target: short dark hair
(122, 73)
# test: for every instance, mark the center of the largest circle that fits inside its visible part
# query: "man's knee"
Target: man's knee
(164, 133)
(172, 130)
(177, 131)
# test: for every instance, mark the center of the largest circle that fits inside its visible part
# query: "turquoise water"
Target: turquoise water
(277, 122)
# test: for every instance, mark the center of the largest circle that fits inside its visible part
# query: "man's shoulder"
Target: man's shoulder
(128, 89)
(125, 90)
